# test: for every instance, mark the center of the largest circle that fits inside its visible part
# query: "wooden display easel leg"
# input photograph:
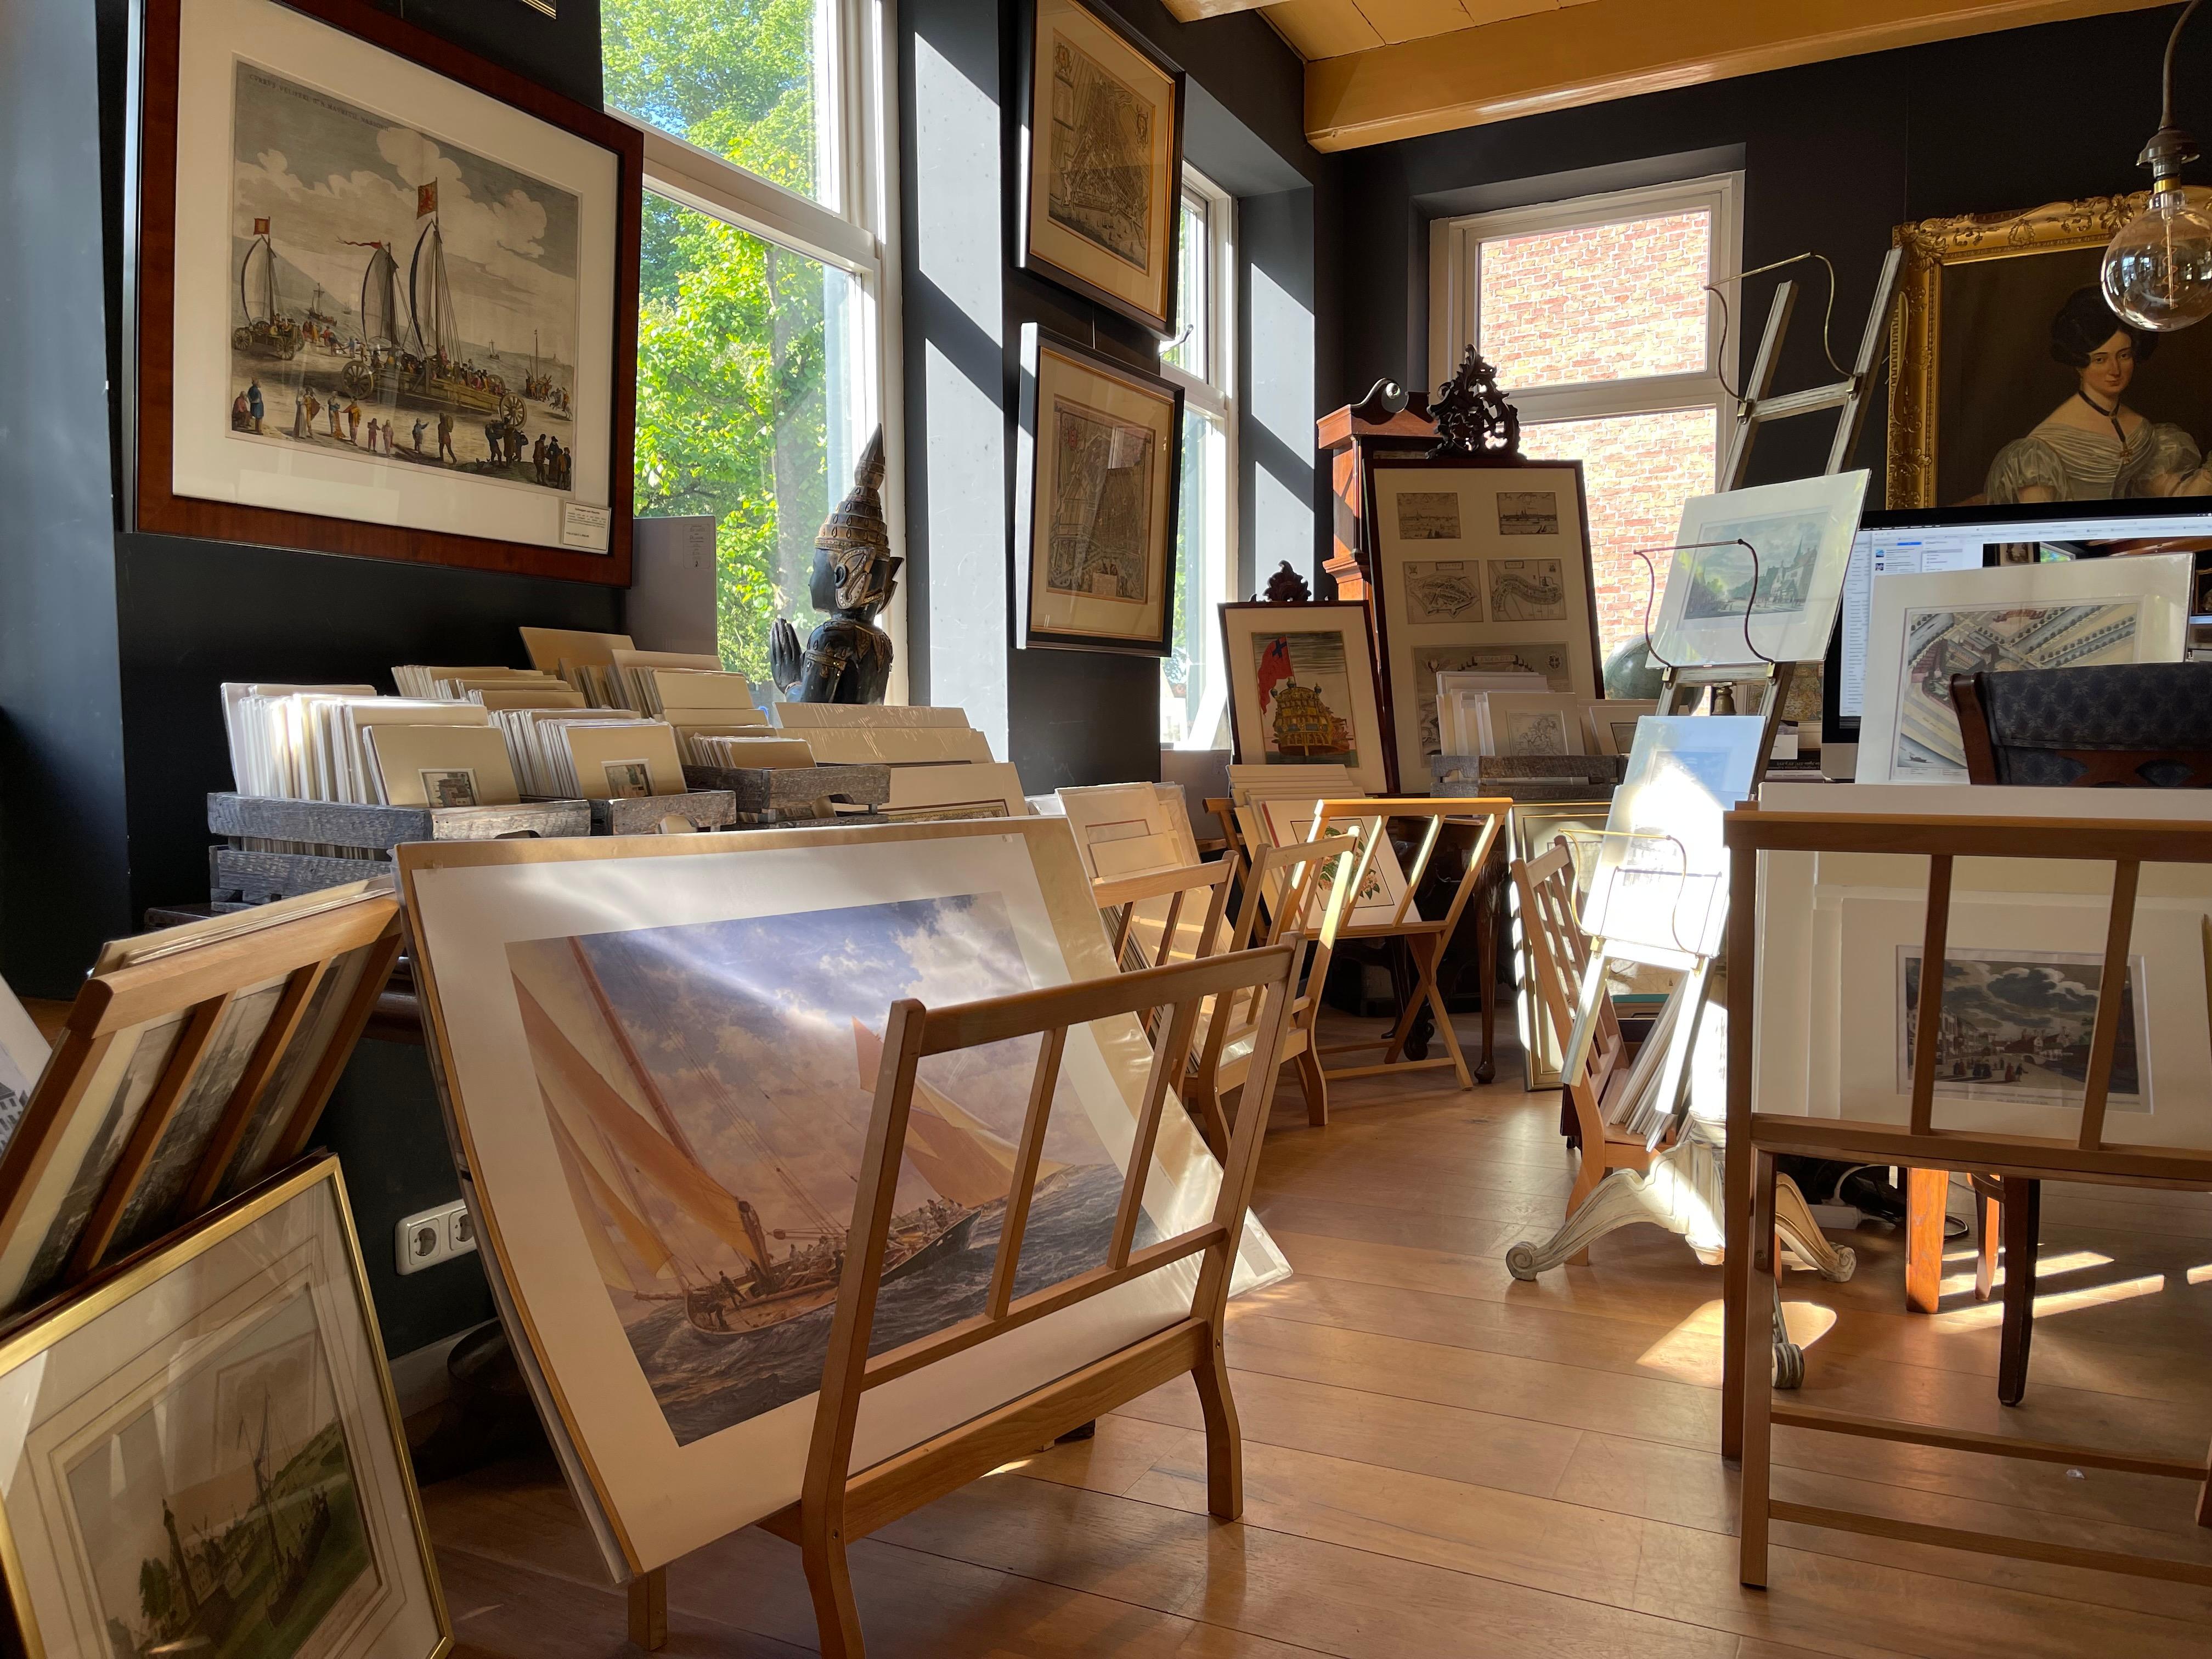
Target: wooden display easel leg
(829, 1581)
(1314, 1083)
(1924, 1194)
(1487, 921)
(1224, 1440)
(649, 1610)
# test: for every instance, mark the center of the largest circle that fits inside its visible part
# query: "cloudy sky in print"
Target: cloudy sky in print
(747, 1027)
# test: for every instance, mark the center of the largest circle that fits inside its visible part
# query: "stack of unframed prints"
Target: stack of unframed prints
(2022, 974)
(658, 1056)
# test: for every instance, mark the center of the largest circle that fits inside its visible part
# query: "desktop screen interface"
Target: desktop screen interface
(1968, 546)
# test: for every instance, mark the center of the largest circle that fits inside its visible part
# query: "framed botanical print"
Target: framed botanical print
(1476, 566)
(1303, 690)
(1101, 162)
(2005, 360)
(385, 298)
(1097, 483)
(203, 1454)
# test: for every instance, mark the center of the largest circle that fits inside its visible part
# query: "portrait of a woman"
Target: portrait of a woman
(2093, 446)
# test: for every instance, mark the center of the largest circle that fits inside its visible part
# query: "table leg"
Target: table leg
(1925, 1191)
(2023, 1217)
(1486, 955)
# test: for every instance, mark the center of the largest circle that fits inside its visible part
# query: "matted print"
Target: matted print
(1527, 589)
(1302, 688)
(2016, 1025)
(1443, 591)
(1428, 515)
(1528, 513)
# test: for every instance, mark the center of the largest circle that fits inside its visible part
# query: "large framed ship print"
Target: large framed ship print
(386, 296)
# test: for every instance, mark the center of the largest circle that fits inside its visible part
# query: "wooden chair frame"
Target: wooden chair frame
(1755, 1139)
(1293, 872)
(839, 1504)
(200, 982)
(1425, 941)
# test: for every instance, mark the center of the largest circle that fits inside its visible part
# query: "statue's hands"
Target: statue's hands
(787, 659)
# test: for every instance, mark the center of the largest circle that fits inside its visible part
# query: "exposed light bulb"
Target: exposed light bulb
(2158, 271)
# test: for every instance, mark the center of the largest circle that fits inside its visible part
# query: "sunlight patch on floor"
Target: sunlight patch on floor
(1992, 1312)
(2073, 1261)
(1690, 1352)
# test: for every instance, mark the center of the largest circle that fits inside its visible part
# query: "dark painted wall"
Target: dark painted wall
(1833, 155)
(1075, 717)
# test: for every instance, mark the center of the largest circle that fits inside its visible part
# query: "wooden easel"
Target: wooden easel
(838, 1505)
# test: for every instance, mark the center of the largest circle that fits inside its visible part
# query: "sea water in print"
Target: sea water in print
(708, 1087)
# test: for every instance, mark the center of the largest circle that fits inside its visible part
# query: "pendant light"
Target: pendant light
(2158, 271)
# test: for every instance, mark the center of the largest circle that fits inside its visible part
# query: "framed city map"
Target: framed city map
(1097, 476)
(385, 299)
(1101, 162)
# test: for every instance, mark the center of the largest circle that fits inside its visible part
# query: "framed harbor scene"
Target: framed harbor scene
(204, 1455)
(661, 1079)
(385, 297)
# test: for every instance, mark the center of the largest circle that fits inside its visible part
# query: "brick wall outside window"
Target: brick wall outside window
(1605, 302)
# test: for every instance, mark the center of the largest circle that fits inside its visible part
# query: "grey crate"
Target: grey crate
(236, 876)
(793, 790)
(343, 823)
(704, 809)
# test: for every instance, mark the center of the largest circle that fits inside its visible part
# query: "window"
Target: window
(1596, 313)
(767, 302)
(1193, 695)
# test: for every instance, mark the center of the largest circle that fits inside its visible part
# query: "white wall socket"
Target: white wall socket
(430, 1236)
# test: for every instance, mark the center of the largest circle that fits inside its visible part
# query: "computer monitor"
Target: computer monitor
(1969, 537)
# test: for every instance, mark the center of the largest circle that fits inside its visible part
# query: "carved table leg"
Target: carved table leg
(1802, 1237)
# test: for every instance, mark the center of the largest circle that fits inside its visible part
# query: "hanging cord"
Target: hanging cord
(1651, 595)
(1827, 314)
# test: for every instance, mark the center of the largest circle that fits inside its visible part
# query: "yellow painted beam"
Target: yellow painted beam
(1189, 11)
(1619, 48)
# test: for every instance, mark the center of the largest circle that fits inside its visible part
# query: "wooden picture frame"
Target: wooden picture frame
(331, 491)
(143, 1414)
(1096, 410)
(1106, 76)
(1497, 542)
(1246, 627)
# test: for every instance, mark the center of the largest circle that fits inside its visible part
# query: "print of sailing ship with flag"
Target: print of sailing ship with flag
(708, 1090)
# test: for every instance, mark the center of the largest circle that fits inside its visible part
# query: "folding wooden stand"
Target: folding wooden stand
(1756, 1139)
(839, 1504)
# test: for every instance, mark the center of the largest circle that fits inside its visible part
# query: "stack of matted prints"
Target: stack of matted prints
(1276, 806)
(659, 1057)
(200, 1448)
(883, 734)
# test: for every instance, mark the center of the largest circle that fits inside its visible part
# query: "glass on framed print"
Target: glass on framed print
(1102, 174)
(1476, 567)
(1927, 627)
(204, 1455)
(1790, 579)
(1302, 688)
(1096, 487)
(436, 362)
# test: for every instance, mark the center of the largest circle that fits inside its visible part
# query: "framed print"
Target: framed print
(202, 1453)
(385, 299)
(1099, 208)
(1302, 689)
(1927, 627)
(1477, 567)
(1529, 723)
(1097, 483)
(657, 1054)
(2003, 334)
(1800, 532)
(1613, 722)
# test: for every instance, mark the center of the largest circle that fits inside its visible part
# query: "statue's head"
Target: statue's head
(854, 572)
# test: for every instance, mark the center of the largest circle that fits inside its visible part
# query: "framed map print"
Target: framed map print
(385, 298)
(1302, 688)
(1098, 472)
(1477, 567)
(1101, 163)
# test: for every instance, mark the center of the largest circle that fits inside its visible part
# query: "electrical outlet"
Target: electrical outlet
(430, 1236)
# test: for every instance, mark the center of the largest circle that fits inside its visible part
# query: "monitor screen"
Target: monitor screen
(1968, 538)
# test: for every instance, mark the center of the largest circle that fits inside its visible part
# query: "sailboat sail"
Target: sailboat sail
(380, 297)
(589, 1194)
(430, 296)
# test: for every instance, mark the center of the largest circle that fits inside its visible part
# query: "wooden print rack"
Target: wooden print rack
(839, 1504)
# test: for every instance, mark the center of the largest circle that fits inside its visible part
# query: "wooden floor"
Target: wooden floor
(1440, 1461)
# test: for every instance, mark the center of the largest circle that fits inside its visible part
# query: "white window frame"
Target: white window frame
(1455, 293)
(1213, 394)
(855, 72)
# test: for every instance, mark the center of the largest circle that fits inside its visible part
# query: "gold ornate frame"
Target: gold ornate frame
(1916, 332)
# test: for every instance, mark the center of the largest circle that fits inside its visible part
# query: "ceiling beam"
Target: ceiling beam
(1190, 11)
(1619, 48)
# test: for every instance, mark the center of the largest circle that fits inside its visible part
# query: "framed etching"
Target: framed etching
(1097, 483)
(657, 1056)
(385, 298)
(2001, 335)
(1302, 689)
(1101, 162)
(204, 1455)
(1790, 581)
(1476, 567)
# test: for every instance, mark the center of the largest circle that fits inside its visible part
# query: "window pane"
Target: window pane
(1638, 469)
(745, 410)
(746, 79)
(1201, 582)
(1190, 351)
(1605, 302)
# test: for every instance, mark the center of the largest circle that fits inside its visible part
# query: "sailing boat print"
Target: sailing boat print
(708, 1090)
